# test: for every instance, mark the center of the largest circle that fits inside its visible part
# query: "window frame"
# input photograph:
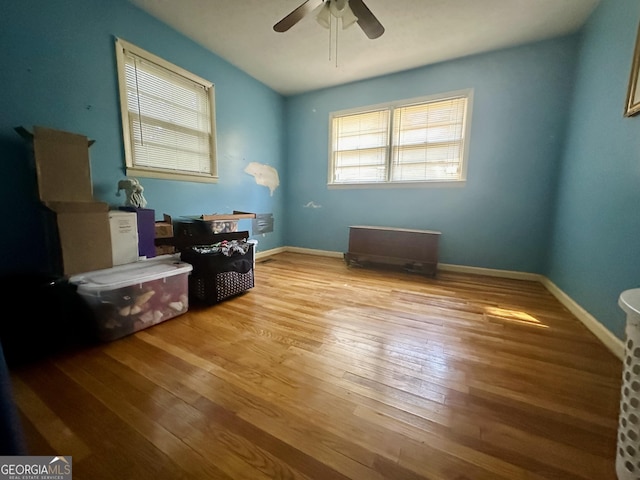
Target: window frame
(133, 170)
(390, 107)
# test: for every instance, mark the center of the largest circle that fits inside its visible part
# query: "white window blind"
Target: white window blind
(360, 147)
(420, 141)
(168, 115)
(428, 140)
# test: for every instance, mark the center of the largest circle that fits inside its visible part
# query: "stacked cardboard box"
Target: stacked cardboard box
(163, 231)
(64, 185)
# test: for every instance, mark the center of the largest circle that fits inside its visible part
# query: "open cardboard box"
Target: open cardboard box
(226, 222)
(164, 227)
(236, 215)
(64, 186)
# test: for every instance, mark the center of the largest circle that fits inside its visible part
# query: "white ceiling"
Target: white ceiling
(417, 33)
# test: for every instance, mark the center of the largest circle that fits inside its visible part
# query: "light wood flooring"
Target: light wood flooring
(324, 371)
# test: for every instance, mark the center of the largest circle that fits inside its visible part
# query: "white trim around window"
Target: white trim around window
(168, 118)
(409, 143)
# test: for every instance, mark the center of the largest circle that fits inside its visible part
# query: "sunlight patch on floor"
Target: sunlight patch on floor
(516, 316)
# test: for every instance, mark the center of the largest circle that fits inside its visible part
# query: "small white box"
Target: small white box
(128, 298)
(124, 237)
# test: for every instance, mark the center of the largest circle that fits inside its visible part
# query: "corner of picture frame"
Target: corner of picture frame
(633, 92)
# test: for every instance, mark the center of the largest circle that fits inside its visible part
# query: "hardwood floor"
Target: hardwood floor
(327, 372)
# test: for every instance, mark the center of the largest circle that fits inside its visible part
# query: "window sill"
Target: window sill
(426, 184)
(185, 177)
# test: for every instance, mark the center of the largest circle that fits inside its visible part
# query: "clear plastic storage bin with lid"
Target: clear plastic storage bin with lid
(131, 297)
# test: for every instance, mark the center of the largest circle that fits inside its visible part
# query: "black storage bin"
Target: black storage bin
(216, 276)
(189, 228)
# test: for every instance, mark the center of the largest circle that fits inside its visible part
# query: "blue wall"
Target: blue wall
(57, 69)
(595, 253)
(554, 168)
(501, 218)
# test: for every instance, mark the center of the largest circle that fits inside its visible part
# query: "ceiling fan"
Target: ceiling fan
(349, 11)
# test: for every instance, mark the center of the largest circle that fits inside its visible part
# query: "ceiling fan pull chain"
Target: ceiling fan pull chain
(337, 30)
(330, 36)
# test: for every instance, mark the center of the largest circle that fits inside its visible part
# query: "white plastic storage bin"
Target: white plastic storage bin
(628, 456)
(129, 298)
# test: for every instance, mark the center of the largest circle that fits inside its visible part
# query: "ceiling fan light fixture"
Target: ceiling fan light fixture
(323, 15)
(348, 18)
(350, 11)
(338, 7)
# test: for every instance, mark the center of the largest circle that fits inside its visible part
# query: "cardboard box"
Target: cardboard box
(84, 235)
(62, 166)
(236, 215)
(221, 226)
(224, 223)
(165, 250)
(64, 185)
(164, 228)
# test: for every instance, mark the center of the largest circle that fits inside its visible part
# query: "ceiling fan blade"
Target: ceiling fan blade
(295, 16)
(367, 20)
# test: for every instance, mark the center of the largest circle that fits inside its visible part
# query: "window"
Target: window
(421, 140)
(168, 118)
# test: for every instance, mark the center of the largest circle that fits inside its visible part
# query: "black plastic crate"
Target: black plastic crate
(216, 276)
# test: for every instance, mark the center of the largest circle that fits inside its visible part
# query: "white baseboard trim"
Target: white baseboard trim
(490, 272)
(311, 251)
(268, 253)
(613, 343)
(307, 251)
